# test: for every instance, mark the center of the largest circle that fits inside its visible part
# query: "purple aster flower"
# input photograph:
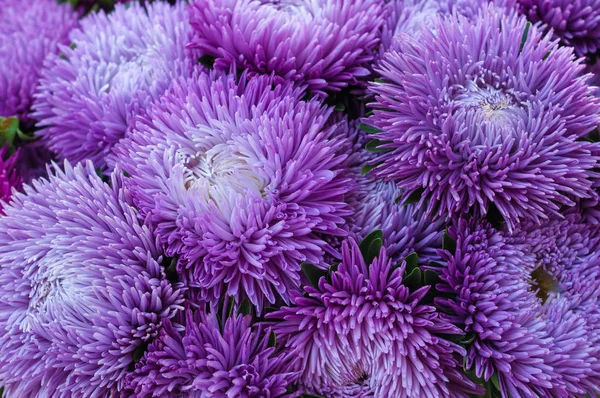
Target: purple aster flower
(529, 299)
(405, 227)
(30, 30)
(9, 178)
(116, 65)
(212, 360)
(242, 180)
(575, 22)
(363, 332)
(81, 286)
(486, 112)
(323, 44)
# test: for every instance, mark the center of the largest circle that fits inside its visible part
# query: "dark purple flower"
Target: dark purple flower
(485, 112)
(81, 286)
(116, 65)
(30, 30)
(363, 332)
(211, 358)
(529, 299)
(323, 44)
(242, 180)
(9, 178)
(575, 22)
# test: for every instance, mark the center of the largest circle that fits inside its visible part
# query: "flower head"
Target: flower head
(323, 44)
(30, 30)
(485, 112)
(212, 360)
(530, 301)
(81, 286)
(363, 332)
(242, 180)
(575, 23)
(116, 65)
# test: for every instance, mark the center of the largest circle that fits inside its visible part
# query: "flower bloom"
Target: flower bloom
(362, 332)
(486, 112)
(243, 181)
(30, 30)
(81, 286)
(529, 299)
(323, 44)
(116, 65)
(213, 358)
(575, 23)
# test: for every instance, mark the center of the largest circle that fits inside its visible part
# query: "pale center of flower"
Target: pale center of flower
(222, 172)
(492, 103)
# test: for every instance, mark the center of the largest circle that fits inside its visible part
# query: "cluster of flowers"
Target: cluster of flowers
(285, 198)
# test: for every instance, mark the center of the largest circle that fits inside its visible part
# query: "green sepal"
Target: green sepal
(371, 246)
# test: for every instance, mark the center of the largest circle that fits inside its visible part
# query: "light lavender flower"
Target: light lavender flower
(529, 300)
(81, 286)
(116, 64)
(30, 30)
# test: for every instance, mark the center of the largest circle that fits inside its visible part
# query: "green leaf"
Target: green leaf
(547, 55)
(412, 262)
(272, 340)
(431, 277)
(230, 305)
(414, 197)
(375, 146)
(138, 353)
(524, 37)
(448, 243)
(468, 339)
(367, 168)
(245, 307)
(413, 280)
(340, 108)
(313, 274)
(368, 129)
(494, 380)
(9, 126)
(371, 246)
(494, 217)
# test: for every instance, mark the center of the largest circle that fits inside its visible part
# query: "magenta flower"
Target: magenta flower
(213, 359)
(243, 181)
(363, 332)
(323, 44)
